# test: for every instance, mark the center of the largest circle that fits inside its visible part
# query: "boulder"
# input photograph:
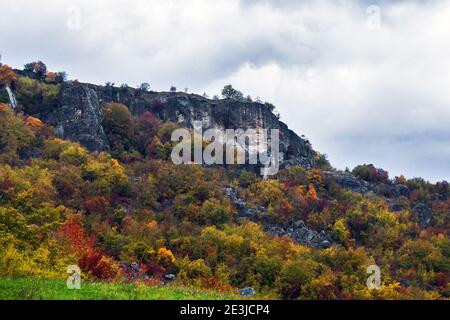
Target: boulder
(299, 224)
(345, 179)
(247, 292)
(396, 207)
(325, 244)
(424, 213)
(402, 190)
(169, 277)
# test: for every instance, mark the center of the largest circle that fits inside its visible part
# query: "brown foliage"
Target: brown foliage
(7, 75)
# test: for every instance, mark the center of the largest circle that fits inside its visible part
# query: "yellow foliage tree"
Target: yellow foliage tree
(165, 257)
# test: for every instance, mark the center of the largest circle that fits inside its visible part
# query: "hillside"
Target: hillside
(86, 179)
(75, 113)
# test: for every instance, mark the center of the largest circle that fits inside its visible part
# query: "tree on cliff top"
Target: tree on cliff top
(229, 92)
(38, 68)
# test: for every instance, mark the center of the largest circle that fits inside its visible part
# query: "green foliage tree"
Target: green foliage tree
(229, 92)
(117, 122)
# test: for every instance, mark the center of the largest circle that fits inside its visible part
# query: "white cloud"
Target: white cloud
(360, 95)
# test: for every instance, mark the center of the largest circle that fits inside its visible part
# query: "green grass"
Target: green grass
(40, 289)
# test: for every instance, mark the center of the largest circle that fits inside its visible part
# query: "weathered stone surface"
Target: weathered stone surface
(396, 207)
(247, 292)
(345, 179)
(424, 213)
(402, 190)
(169, 277)
(300, 233)
(78, 116)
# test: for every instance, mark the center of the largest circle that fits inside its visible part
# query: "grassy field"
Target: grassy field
(39, 289)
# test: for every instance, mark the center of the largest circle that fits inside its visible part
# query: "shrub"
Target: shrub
(340, 232)
(35, 96)
(15, 136)
(370, 173)
(295, 274)
(215, 213)
(193, 269)
(165, 257)
(96, 205)
(96, 265)
(246, 178)
(75, 155)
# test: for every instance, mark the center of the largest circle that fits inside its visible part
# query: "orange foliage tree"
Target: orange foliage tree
(7, 75)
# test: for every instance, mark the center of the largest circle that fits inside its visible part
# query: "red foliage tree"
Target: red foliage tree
(72, 232)
(147, 125)
(97, 265)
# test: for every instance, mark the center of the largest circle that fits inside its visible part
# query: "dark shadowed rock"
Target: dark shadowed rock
(402, 191)
(345, 179)
(405, 283)
(78, 116)
(396, 207)
(247, 292)
(424, 213)
(439, 197)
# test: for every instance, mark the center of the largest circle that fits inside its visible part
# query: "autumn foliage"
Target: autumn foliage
(61, 205)
(7, 76)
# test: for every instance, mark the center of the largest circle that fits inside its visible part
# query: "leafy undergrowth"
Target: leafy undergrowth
(40, 289)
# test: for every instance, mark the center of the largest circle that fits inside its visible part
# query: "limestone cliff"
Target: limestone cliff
(78, 115)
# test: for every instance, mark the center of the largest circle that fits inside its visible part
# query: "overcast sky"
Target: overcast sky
(366, 84)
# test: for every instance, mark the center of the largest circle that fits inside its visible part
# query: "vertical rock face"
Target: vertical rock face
(78, 116)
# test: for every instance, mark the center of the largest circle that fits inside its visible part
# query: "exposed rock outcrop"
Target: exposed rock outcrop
(296, 230)
(300, 233)
(424, 214)
(247, 292)
(78, 116)
(402, 190)
(345, 179)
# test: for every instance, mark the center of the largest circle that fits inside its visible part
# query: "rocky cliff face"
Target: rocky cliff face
(78, 116)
